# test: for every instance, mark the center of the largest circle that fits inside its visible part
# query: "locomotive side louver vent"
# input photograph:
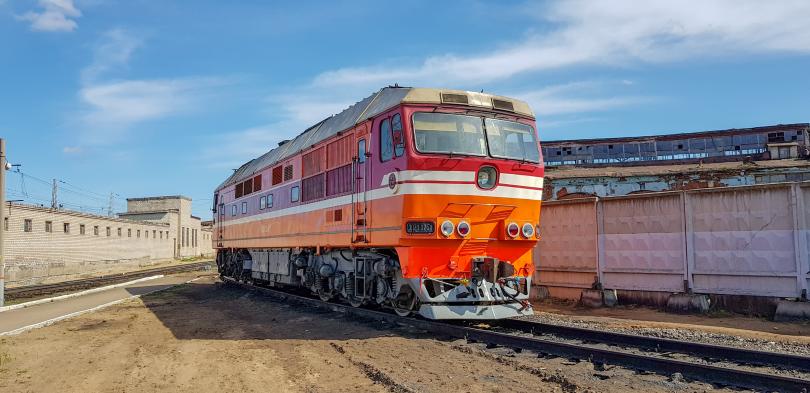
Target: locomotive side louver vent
(449, 98)
(503, 105)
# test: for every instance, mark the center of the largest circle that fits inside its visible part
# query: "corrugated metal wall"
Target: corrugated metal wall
(750, 240)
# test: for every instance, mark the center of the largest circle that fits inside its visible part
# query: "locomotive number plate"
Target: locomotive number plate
(420, 227)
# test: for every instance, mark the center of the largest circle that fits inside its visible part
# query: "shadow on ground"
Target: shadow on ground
(216, 311)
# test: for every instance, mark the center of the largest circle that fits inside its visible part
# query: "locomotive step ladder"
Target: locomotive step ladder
(362, 275)
(359, 201)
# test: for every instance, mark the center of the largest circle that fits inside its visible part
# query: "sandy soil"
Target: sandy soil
(643, 317)
(208, 337)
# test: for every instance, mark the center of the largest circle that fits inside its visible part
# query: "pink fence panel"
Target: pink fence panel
(743, 241)
(642, 242)
(566, 255)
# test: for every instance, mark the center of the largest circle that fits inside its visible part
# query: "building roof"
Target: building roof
(679, 136)
(16, 205)
(153, 198)
(366, 108)
(138, 213)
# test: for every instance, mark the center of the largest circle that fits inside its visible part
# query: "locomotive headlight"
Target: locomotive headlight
(513, 230)
(447, 228)
(487, 176)
(528, 230)
(463, 229)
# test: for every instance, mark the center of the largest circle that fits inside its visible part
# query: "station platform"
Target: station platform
(19, 320)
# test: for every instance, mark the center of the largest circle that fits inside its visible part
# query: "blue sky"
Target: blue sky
(159, 97)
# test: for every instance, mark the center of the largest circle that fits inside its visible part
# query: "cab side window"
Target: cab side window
(361, 151)
(386, 141)
(397, 137)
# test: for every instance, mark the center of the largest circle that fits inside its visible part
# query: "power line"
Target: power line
(77, 197)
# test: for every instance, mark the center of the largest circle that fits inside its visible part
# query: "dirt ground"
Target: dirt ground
(209, 337)
(644, 317)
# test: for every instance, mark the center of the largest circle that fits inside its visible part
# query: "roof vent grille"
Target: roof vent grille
(450, 98)
(503, 105)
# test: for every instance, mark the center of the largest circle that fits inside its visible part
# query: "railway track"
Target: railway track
(94, 282)
(521, 335)
(662, 345)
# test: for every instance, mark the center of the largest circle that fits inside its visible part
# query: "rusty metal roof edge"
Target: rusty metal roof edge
(674, 136)
(571, 201)
(786, 184)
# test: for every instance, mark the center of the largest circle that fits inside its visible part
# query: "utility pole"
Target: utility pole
(53, 195)
(3, 165)
(110, 206)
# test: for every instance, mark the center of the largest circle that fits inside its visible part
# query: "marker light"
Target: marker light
(447, 228)
(528, 230)
(463, 229)
(486, 177)
(513, 230)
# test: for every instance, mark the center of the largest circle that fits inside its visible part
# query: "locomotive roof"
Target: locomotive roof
(370, 106)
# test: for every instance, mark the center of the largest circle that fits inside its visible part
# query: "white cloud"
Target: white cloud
(55, 15)
(232, 149)
(580, 97)
(112, 52)
(114, 107)
(594, 32)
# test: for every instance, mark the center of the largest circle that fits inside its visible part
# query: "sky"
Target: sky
(136, 98)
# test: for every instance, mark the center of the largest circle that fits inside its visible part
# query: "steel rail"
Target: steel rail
(708, 351)
(85, 283)
(700, 372)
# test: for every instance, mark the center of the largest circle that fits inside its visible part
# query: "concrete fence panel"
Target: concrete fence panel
(742, 240)
(642, 246)
(566, 255)
(803, 233)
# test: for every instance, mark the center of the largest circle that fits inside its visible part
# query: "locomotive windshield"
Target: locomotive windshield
(445, 133)
(470, 135)
(509, 139)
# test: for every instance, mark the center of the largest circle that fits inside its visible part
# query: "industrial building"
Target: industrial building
(708, 159)
(47, 245)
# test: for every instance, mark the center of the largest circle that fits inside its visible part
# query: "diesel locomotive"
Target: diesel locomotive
(422, 200)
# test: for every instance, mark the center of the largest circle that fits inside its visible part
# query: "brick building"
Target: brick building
(44, 244)
(188, 237)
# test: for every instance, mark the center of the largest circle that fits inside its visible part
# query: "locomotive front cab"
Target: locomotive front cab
(470, 211)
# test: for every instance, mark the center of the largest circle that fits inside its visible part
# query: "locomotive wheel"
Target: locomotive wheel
(405, 302)
(355, 302)
(325, 296)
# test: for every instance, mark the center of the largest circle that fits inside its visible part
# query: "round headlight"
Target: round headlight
(513, 230)
(447, 228)
(487, 176)
(528, 230)
(463, 229)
